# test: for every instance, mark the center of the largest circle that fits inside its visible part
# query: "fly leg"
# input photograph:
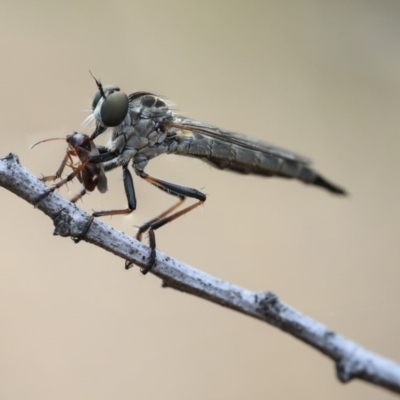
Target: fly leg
(181, 192)
(130, 195)
(145, 227)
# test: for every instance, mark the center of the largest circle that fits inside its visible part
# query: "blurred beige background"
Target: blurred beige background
(317, 77)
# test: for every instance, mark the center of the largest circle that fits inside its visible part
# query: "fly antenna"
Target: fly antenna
(99, 85)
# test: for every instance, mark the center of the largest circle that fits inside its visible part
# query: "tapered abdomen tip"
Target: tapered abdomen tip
(322, 182)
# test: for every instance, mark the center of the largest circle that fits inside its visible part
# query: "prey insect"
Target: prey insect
(90, 175)
(144, 127)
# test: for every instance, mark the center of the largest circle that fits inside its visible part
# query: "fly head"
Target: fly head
(110, 104)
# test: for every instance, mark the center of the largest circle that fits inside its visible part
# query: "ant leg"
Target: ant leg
(79, 195)
(69, 178)
(60, 170)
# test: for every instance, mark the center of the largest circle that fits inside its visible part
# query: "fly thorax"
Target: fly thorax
(140, 161)
(149, 129)
(144, 127)
(127, 155)
(154, 107)
(137, 142)
(117, 142)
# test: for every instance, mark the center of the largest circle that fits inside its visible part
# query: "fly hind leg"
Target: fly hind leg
(176, 190)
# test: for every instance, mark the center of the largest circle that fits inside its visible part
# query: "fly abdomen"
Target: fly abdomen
(255, 162)
(247, 161)
(239, 159)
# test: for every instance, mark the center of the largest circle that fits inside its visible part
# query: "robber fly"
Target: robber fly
(144, 127)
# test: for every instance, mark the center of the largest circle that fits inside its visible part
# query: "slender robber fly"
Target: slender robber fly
(144, 127)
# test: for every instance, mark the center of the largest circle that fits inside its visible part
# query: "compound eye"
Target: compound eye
(107, 88)
(114, 109)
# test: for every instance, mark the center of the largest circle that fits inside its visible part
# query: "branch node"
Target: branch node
(348, 368)
(269, 305)
(64, 224)
(268, 302)
(11, 157)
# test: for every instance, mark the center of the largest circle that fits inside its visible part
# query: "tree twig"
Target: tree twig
(352, 361)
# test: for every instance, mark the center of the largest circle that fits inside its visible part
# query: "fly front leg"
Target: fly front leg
(176, 190)
(131, 197)
(104, 156)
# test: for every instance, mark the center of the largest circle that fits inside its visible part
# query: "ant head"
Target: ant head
(114, 105)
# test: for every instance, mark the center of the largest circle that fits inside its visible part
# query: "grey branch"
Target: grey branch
(352, 361)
